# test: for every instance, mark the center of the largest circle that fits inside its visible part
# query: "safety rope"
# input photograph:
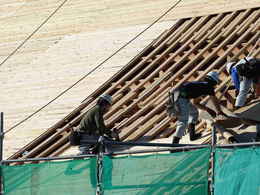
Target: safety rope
(36, 30)
(94, 69)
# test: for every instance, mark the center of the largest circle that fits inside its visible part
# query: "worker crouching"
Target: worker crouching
(186, 111)
(92, 126)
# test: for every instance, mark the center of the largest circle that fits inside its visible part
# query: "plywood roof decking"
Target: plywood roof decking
(186, 51)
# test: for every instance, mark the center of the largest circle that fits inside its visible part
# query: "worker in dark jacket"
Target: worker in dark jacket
(92, 125)
(244, 73)
(187, 113)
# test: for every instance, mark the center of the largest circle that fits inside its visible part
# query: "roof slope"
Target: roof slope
(187, 51)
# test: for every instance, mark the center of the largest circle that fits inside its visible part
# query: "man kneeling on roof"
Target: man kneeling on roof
(244, 73)
(92, 125)
(186, 112)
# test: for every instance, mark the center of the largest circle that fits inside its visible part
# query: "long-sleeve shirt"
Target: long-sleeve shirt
(235, 78)
(194, 89)
(93, 122)
(234, 73)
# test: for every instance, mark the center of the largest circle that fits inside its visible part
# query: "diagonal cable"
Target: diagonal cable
(35, 31)
(94, 69)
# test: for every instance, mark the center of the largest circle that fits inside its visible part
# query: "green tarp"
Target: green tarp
(182, 173)
(237, 171)
(74, 177)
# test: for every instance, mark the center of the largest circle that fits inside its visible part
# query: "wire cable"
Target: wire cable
(36, 30)
(94, 69)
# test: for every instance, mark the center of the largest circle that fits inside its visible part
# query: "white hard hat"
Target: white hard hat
(228, 66)
(214, 76)
(108, 98)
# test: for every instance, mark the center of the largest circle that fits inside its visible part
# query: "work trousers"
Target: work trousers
(244, 88)
(85, 148)
(88, 148)
(188, 114)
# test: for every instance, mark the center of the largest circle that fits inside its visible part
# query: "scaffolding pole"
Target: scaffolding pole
(48, 158)
(99, 167)
(129, 143)
(165, 148)
(1, 149)
(213, 148)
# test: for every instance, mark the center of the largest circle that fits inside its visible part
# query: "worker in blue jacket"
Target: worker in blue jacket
(242, 84)
(243, 74)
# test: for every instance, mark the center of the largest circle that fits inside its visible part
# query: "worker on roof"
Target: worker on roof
(186, 112)
(244, 73)
(92, 125)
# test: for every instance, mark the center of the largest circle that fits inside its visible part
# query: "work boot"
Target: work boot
(176, 140)
(193, 135)
(232, 140)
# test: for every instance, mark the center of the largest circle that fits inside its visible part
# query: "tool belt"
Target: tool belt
(74, 137)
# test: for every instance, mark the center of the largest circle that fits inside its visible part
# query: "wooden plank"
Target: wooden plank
(188, 66)
(61, 142)
(117, 78)
(124, 99)
(161, 38)
(41, 145)
(60, 150)
(250, 111)
(248, 21)
(182, 30)
(143, 127)
(186, 77)
(134, 125)
(215, 20)
(52, 130)
(137, 66)
(226, 21)
(154, 63)
(158, 128)
(193, 30)
(148, 68)
(228, 50)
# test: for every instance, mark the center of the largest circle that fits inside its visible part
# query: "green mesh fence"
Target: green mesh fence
(237, 171)
(182, 173)
(73, 177)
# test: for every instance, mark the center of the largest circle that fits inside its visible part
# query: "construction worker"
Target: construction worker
(244, 73)
(187, 113)
(242, 78)
(92, 125)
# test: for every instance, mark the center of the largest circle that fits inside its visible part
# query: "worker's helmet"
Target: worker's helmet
(229, 66)
(107, 98)
(213, 76)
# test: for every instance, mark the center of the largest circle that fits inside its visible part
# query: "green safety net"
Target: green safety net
(182, 173)
(237, 171)
(74, 177)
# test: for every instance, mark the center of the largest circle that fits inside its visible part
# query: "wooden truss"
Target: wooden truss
(187, 51)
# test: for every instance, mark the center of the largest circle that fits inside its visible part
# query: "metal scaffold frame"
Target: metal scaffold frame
(1, 149)
(101, 153)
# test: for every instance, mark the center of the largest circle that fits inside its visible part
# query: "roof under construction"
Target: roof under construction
(186, 52)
